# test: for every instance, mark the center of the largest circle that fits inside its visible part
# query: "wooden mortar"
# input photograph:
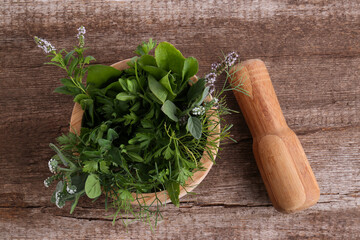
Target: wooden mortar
(191, 183)
(285, 170)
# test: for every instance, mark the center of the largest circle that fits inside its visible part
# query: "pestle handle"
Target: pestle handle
(287, 175)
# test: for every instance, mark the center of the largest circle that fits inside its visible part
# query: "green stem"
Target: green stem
(137, 77)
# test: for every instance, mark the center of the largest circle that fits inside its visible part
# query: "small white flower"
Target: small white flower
(212, 89)
(46, 182)
(231, 58)
(53, 164)
(198, 110)
(210, 78)
(216, 101)
(215, 67)
(44, 45)
(81, 32)
(71, 190)
(60, 203)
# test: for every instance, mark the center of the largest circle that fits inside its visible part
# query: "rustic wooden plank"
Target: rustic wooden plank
(312, 52)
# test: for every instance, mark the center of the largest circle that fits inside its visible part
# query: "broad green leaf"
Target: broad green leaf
(173, 189)
(105, 144)
(123, 96)
(166, 83)
(111, 134)
(98, 75)
(114, 86)
(194, 126)
(147, 60)
(92, 186)
(79, 182)
(169, 58)
(157, 89)
(155, 71)
(196, 90)
(123, 84)
(169, 108)
(131, 85)
(135, 157)
(191, 67)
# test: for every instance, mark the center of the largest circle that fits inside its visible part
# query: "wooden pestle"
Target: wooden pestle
(288, 178)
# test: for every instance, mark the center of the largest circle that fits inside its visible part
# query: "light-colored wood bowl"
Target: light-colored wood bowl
(191, 183)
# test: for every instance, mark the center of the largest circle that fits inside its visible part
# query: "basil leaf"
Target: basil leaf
(123, 96)
(155, 71)
(173, 189)
(191, 67)
(169, 108)
(92, 186)
(157, 89)
(166, 83)
(147, 60)
(98, 75)
(194, 126)
(169, 58)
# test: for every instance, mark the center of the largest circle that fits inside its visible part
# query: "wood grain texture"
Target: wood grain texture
(312, 51)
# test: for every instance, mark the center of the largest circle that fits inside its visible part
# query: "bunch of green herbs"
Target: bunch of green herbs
(144, 129)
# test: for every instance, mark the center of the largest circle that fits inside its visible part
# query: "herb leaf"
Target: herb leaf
(169, 108)
(157, 89)
(191, 67)
(173, 189)
(169, 58)
(194, 126)
(92, 186)
(98, 75)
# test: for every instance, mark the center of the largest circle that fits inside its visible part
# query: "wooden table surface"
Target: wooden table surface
(312, 51)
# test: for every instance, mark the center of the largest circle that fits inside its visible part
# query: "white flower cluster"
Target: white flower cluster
(53, 164)
(71, 189)
(59, 201)
(81, 32)
(80, 36)
(44, 45)
(210, 78)
(198, 110)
